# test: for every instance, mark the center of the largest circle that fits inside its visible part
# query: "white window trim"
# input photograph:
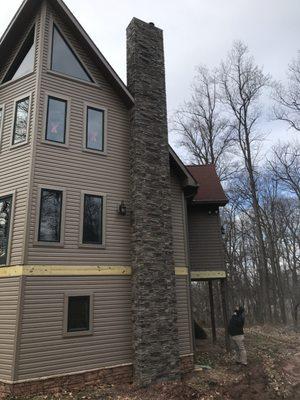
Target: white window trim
(13, 194)
(2, 107)
(61, 243)
(90, 245)
(66, 312)
(60, 74)
(67, 128)
(29, 95)
(84, 139)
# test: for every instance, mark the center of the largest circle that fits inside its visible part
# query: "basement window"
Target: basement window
(78, 318)
(23, 64)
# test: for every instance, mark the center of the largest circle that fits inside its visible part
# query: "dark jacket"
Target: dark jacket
(236, 324)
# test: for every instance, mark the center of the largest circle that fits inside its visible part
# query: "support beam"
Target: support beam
(212, 311)
(223, 289)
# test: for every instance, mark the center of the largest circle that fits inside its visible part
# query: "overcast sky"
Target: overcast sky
(196, 32)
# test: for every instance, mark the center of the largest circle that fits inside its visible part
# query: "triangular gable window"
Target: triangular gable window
(23, 64)
(64, 60)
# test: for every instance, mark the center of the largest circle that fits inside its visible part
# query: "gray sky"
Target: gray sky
(196, 31)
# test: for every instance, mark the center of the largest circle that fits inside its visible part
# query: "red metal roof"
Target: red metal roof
(210, 190)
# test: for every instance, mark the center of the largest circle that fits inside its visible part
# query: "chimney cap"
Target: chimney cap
(151, 24)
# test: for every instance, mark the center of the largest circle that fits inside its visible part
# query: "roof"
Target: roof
(27, 10)
(210, 190)
(176, 162)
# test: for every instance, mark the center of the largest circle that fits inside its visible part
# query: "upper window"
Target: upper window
(94, 129)
(56, 120)
(5, 222)
(21, 121)
(64, 60)
(1, 120)
(50, 216)
(23, 64)
(92, 229)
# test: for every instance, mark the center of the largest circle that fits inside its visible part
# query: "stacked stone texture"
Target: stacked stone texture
(155, 334)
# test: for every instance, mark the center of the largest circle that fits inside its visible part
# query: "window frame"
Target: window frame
(38, 214)
(2, 107)
(2, 83)
(78, 293)
(16, 101)
(104, 206)
(13, 194)
(67, 99)
(49, 61)
(94, 106)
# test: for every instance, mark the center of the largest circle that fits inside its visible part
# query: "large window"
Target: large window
(21, 121)
(5, 222)
(78, 318)
(50, 221)
(92, 220)
(56, 120)
(64, 60)
(23, 64)
(95, 125)
(1, 122)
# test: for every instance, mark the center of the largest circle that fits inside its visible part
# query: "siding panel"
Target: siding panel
(9, 294)
(183, 315)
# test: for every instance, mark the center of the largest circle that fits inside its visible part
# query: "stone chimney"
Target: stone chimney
(155, 334)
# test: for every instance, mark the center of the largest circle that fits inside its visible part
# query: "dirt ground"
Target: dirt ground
(273, 373)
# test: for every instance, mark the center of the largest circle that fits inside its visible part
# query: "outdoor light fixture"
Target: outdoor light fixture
(122, 208)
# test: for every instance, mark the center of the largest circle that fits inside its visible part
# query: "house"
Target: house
(96, 211)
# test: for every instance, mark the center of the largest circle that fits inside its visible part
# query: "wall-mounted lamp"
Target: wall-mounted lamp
(223, 230)
(122, 208)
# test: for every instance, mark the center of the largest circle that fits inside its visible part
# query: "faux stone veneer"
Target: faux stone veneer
(155, 335)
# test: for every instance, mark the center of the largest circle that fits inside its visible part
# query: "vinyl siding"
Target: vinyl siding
(178, 225)
(76, 170)
(15, 162)
(9, 293)
(205, 240)
(183, 315)
(43, 349)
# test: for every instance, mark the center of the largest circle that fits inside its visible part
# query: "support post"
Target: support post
(223, 289)
(212, 311)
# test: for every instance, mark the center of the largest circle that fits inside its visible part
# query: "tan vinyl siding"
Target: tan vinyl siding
(205, 240)
(76, 170)
(43, 349)
(183, 315)
(9, 292)
(15, 162)
(179, 239)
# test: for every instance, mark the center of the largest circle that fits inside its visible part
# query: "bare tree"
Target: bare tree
(288, 98)
(243, 83)
(203, 125)
(285, 166)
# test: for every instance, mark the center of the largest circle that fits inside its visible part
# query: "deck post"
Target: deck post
(212, 311)
(223, 289)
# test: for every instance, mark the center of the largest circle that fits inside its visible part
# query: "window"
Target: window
(5, 222)
(56, 120)
(23, 64)
(94, 129)
(64, 60)
(21, 121)
(78, 318)
(50, 218)
(92, 220)
(1, 120)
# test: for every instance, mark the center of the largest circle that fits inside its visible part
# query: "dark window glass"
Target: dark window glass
(56, 120)
(64, 60)
(5, 213)
(21, 121)
(78, 313)
(24, 62)
(92, 219)
(1, 119)
(95, 129)
(50, 216)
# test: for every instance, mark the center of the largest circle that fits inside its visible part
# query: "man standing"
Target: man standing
(236, 331)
